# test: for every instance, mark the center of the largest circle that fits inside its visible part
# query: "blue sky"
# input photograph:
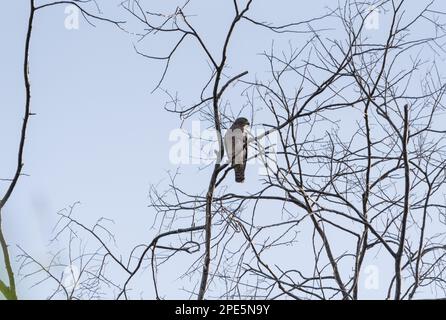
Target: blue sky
(99, 135)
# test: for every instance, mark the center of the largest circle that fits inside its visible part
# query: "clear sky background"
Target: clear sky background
(100, 137)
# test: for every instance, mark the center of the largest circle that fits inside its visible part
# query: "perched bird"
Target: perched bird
(236, 145)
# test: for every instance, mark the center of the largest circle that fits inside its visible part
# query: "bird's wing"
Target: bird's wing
(234, 145)
(238, 149)
(245, 148)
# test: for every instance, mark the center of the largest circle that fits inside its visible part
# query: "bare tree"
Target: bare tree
(357, 175)
(367, 184)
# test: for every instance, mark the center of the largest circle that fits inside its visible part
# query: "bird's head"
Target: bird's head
(241, 122)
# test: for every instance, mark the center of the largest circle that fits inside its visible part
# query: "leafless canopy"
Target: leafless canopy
(356, 179)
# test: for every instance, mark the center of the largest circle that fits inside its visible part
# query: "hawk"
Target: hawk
(236, 145)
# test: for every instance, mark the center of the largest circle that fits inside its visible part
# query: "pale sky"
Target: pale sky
(100, 136)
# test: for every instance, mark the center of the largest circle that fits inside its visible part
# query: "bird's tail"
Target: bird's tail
(239, 170)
